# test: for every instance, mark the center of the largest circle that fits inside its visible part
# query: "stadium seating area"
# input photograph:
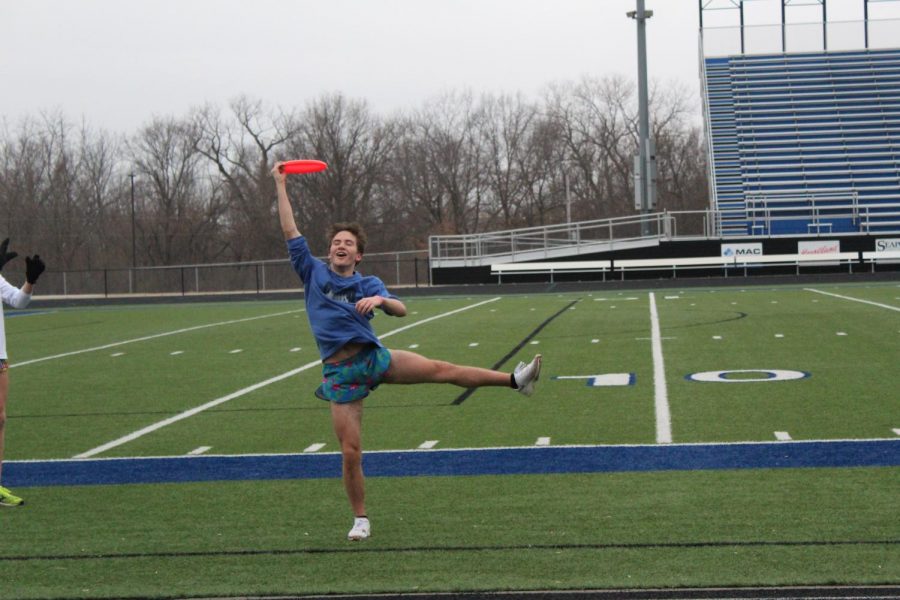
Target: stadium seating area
(672, 266)
(805, 143)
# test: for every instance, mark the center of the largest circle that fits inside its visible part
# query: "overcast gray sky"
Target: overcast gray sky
(117, 63)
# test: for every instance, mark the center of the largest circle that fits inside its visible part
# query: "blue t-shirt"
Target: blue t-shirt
(331, 301)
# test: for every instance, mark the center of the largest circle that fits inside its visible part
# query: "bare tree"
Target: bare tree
(242, 149)
(58, 198)
(545, 170)
(20, 182)
(57, 190)
(180, 209)
(456, 165)
(505, 127)
(99, 186)
(415, 197)
(449, 170)
(414, 179)
(599, 121)
(681, 155)
(357, 146)
(593, 116)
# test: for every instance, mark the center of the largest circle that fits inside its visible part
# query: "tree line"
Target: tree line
(197, 188)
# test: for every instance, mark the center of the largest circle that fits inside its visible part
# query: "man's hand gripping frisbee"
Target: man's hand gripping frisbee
(299, 167)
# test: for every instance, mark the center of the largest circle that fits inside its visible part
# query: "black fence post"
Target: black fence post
(257, 279)
(182, 281)
(105, 284)
(416, 265)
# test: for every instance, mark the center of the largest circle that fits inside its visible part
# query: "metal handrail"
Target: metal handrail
(511, 241)
(664, 226)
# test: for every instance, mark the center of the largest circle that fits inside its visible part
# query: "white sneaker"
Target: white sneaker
(361, 529)
(526, 375)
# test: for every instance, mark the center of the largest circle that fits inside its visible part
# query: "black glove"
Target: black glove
(5, 256)
(34, 266)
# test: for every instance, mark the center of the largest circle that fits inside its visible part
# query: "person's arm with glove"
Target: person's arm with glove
(34, 266)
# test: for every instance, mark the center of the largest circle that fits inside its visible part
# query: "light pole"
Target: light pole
(645, 161)
(133, 243)
(568, 202)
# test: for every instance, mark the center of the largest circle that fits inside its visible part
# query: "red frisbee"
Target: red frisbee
(299, 167)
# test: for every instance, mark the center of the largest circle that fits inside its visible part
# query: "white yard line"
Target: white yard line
(150, 337)
(428, 444)
(660, 392)
(878, 304)
(199, 451)
(242, 392)
(190, 413)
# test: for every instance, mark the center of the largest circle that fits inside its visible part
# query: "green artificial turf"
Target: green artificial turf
(86, 377)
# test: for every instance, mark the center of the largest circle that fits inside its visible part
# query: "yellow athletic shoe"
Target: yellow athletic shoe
(7, 498)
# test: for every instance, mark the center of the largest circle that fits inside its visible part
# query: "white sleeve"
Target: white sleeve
(13, 295)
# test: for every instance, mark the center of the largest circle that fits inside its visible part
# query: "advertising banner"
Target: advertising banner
(733, 250)
(819, 247)
(887, 244)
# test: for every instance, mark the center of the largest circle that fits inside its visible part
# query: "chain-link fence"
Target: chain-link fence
(396, 269)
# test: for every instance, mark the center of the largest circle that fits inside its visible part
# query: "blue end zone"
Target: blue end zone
(489, 461)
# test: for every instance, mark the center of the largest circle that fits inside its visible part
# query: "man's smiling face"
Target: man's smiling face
(343, 253)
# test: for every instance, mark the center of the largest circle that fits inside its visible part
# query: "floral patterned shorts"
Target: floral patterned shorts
(352, 379)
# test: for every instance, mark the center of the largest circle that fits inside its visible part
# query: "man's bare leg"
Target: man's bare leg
(347, 421)
(409, 367)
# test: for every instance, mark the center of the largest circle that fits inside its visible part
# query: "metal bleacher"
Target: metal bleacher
(802, 143)
(805, 143)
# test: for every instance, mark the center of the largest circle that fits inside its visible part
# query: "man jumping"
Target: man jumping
(340, 304)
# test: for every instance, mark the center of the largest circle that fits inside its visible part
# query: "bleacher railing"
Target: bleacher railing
(791, 213)
(534, 243)
(770, 217)
(800, 37)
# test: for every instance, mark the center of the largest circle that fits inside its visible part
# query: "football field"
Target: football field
(679, 437)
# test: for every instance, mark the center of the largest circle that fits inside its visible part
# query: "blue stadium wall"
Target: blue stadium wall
(797, 124)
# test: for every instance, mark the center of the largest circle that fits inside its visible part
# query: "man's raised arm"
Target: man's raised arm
(285, 211)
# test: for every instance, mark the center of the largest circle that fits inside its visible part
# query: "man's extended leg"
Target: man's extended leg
(409, 367)
(347, 421)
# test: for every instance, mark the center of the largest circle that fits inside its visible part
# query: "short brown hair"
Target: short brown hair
(354, 228)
